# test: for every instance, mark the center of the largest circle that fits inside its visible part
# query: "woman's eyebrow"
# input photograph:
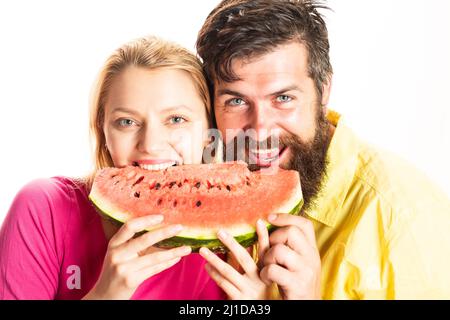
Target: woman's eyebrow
(125, 110)
(176, 108)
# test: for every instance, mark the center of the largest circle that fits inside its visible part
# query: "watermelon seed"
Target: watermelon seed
(199, 203)
(114, 176)
(180, 184)
(138, 181)
(137, 194)
(197, 185)
(116, 182)
(175, 203)
(172, 184)
(228, 188)
(159, 201)
(158, 186)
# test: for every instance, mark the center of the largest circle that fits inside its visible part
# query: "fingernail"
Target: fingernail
(272, 217)
(261, 223)
(222, 234)
(157, 217)
(186, 249)
(203, 251)
(177, 228)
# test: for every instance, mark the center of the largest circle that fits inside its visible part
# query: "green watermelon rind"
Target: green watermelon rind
(214, 244)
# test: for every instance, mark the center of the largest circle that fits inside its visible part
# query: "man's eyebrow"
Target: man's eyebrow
(289, 88)
(223, 92)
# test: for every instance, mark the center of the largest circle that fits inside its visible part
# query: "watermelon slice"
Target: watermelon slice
(203, 198)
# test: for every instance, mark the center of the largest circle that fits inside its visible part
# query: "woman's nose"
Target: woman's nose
(151, 139)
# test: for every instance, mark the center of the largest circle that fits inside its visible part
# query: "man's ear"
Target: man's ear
(326, 91)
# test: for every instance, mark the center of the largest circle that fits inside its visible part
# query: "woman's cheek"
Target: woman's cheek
(121, 147)
(188, 144)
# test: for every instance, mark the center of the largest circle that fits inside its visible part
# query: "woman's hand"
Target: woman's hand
(237, 286)
(130, 261)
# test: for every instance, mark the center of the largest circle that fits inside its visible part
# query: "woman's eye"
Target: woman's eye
(125, 123)
(235, 102)
(177, 120)
(284, 99)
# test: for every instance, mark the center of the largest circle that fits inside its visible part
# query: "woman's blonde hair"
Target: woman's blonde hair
(151, 53)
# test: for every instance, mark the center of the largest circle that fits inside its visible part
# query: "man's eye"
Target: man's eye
(125, 123)
(284, 99)
(235, 102)
(177, 120)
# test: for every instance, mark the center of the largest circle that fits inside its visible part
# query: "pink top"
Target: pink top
(52, 246)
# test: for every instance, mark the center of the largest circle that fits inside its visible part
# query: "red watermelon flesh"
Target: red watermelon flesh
(203, 198)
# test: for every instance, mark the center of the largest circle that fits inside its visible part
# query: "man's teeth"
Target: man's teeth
(155, 167)
(266, 151)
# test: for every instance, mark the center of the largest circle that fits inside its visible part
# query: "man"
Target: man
(372, 226)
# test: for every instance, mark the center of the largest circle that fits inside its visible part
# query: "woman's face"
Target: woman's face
(154, 118)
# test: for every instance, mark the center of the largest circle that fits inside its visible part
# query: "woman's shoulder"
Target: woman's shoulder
(46, 197)
(57, 190)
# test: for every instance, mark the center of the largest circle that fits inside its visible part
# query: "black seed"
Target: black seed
(159, 201)
(197, 185)
(172, 184)
(228, 188)
(175, 203)
(158, 186)
(199, 203)
(137, 194)
(179, 185)
(138, 181)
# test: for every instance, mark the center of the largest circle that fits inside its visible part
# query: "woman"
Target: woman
(150, 108)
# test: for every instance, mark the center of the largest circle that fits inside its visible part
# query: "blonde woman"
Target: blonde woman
(150, 107)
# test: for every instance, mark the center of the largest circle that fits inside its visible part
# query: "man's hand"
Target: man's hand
(293, 260)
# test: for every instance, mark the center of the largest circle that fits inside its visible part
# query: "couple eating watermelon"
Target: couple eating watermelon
(223, 179)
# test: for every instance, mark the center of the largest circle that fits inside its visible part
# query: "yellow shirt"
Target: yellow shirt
(382, 228)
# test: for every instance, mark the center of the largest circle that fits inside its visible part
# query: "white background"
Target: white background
(391, 61)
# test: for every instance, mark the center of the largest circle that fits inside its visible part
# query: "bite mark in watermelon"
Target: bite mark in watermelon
(204, 198)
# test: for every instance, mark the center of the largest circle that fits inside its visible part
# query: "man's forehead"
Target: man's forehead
(289, 60)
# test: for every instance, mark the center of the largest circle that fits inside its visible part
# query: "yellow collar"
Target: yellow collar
(342, 157)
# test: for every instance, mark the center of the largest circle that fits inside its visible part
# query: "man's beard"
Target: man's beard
(308, 158)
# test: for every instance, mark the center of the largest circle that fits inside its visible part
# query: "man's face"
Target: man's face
(275, 108)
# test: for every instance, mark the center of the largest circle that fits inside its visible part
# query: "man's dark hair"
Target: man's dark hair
(238, 29)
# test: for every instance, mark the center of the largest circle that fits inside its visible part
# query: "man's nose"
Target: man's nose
(262, 122)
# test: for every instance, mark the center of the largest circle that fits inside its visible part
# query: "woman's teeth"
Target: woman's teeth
(155, 167)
